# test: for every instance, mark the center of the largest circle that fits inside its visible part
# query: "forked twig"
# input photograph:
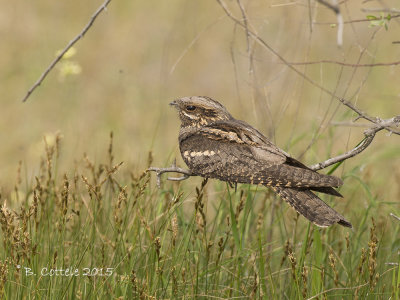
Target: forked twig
(69, 45)
(172, 169)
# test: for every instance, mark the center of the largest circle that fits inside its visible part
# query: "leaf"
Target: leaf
(377, 23)
(371, 17)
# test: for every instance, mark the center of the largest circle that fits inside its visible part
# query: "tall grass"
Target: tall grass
(98, 231)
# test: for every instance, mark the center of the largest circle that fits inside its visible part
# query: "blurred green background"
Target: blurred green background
(140, 55)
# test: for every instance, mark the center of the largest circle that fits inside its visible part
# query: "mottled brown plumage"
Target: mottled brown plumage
(215, 145)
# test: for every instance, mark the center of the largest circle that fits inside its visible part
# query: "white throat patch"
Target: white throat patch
(192, 117)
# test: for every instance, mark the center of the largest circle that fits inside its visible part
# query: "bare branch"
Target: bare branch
(69, 45)
(369, 136)
(245, 24)
(358, 149)
(386, 10)
(351, 124)
(172, 169)
(352, 21)
(394, 63)
(190, 45)
(381, 124)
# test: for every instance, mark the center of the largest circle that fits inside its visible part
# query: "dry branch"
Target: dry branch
(369, 136)
(69, 45)
(173, 169)
(326, 61)
(383, 9)
(352, 21)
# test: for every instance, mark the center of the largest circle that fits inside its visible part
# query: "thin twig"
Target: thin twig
(190, 45)
(351, 124)
(69, 45)
(369, 136)
(353, 152)
(249, 50)
(394, 63)
(245, 24)
(352, 21)
(386, 10)
(361, 114)
(172, 169)
(394, 216)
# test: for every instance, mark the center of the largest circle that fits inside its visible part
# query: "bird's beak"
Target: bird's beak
(174, 103)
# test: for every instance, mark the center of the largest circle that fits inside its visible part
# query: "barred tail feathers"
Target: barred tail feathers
(311, 206)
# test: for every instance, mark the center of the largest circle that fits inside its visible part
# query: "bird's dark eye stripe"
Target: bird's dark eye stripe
(190, 107)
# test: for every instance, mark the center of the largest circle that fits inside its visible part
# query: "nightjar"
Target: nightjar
(213, 144)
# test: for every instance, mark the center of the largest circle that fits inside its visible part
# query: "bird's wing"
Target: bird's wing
(242, 133)
(236, 152)
(219, 155)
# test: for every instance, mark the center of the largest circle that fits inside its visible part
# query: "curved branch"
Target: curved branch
(353, 152)
(172, 169)
(369, 136)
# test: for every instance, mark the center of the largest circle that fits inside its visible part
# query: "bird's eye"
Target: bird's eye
(190, 107)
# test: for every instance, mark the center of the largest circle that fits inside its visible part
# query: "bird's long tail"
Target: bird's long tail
(311, 206)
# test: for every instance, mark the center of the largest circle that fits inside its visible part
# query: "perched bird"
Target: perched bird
(215, 145)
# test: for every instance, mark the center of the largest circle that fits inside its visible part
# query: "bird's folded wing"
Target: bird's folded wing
(242, 133)
(231, 153)
(239, 162)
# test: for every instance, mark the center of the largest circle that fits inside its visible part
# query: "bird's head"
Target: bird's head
(200, 111)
